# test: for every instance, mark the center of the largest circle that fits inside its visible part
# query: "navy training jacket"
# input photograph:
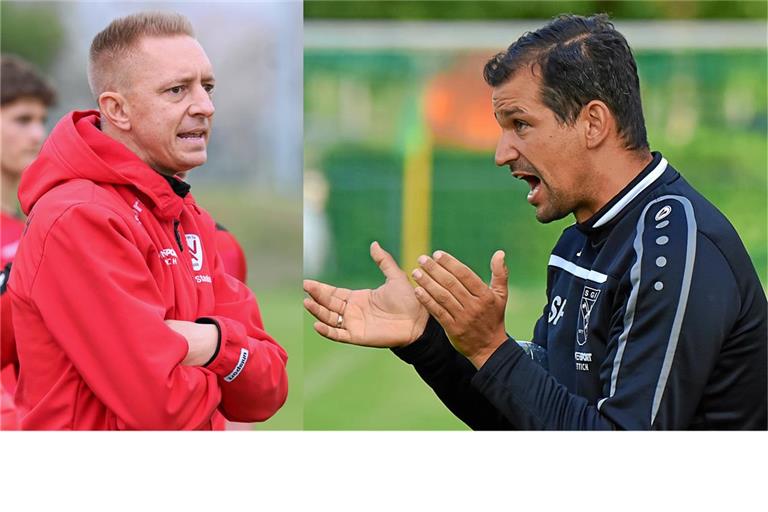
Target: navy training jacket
(656, 319)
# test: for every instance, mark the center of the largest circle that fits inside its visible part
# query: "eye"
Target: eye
(208, 88)
(520, 125)
(177, 89)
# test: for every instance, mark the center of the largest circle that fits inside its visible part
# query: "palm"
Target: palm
(388, 316)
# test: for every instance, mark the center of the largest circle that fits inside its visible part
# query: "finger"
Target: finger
(444, 297)
(468, 279)
(445, 279)
(332, 333)
(321, 312)
(326, 295)
(434, 308)
(499, 275)
(385, 261)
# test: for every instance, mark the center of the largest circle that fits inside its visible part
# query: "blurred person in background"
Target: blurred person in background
(655, 319)
(124, 314)
(26, 97)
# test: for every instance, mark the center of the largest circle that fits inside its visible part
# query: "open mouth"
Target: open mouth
(193, 136)
(533, 181)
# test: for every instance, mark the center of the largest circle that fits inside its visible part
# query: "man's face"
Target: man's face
(169, 86)
(538, 149)
(23, 132)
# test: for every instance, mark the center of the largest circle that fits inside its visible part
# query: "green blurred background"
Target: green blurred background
(367, 98)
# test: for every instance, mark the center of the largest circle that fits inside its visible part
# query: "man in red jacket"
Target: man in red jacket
(26, 96)
(125, 317)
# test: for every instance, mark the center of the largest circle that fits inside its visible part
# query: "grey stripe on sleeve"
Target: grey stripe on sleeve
(682, 303)
(629, 314)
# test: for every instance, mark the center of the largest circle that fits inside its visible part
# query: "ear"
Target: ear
(598, 121)
(114, 106)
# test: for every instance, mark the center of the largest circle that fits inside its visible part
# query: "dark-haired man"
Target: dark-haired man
(655, 319)
(26, 97)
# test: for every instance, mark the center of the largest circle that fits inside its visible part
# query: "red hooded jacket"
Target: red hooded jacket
(10, 233)
(110, 252)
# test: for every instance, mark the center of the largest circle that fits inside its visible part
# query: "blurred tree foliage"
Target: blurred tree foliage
(473, 10)
(32, 31)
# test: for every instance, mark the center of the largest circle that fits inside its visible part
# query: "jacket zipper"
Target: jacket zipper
(177, 235)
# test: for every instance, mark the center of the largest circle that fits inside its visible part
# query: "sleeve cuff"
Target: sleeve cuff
(508, 354)
(232, 350)
(420, 348)
(211, 321)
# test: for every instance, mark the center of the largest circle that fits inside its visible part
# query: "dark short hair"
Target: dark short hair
(18, 79)
(579, 59)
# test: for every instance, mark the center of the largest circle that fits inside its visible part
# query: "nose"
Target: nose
(505, 150)
(202, 104)
(37, 133)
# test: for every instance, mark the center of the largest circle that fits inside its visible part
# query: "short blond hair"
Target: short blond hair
(110, 46)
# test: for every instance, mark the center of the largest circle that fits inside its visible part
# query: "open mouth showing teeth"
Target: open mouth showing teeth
(533, 182)
(191, 135)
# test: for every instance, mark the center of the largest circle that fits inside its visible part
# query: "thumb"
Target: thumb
(499, 274)
(385, 261)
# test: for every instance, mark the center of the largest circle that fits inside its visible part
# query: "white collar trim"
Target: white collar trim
(629, 196)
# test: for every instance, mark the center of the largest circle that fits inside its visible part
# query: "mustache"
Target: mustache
(523, 165)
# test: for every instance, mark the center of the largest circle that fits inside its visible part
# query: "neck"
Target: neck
(613, 171)
(10, 184)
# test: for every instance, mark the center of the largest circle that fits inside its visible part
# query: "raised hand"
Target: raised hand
(389, 316)
(471, 312)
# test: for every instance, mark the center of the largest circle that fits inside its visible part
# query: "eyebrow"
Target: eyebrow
(509, 112)
(189, 79)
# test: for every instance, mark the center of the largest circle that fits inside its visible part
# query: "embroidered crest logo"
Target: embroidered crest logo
(588, 299)
(195, 251)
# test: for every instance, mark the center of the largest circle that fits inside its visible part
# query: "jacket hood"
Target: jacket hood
(77, 149)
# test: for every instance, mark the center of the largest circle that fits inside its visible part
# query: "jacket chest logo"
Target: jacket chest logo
(588, 299)
(137, 208)
(196, 251)
(169, 257)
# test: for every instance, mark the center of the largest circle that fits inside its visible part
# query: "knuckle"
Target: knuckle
(440, 296)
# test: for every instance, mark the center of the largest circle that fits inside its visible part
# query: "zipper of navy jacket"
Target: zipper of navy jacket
(177, 234)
